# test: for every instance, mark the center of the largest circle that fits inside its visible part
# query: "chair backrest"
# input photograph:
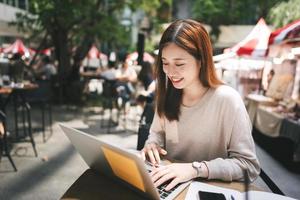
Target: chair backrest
(109, 89)
(144, 127)
(148, 113)
(42, 93)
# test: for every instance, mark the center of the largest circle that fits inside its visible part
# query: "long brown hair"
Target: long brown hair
(191, 36)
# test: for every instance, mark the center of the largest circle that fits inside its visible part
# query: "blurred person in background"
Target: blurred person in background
(45, 69)
(146, 77)
(126, 77)
(111, 72)
(146, 74)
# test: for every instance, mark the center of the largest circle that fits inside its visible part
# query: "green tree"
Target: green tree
(68, 24)
(72, 26)
(220, 12)
(284, 13)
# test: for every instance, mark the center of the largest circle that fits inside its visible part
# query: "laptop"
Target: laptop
(122, 164)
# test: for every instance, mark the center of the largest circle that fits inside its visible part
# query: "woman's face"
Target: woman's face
(181, 68)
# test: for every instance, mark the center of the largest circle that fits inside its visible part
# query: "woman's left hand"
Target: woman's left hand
(177, 172)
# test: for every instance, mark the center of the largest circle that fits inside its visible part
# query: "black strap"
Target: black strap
(273, 187)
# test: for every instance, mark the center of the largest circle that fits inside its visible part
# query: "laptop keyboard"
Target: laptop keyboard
(161, 189)
(163, 193)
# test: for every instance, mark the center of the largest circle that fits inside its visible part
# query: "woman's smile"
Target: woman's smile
(175, 80)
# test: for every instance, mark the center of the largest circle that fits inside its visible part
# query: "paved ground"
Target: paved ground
(58, 165)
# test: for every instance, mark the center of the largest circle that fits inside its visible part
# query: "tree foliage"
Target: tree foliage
(72, 26)
(284, 13)
(220, 12)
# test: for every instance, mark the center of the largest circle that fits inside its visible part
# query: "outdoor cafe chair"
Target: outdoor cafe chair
(17, 95)
(42, 97)
(109, 101)
(4, 142)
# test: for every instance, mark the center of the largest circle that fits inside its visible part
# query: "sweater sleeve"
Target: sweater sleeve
(157, 132)
(240, 149)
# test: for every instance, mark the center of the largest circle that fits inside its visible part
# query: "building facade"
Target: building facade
(8, 10)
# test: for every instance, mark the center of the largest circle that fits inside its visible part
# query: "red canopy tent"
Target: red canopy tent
(46, 51)
(17, 47)
(256, 43)
(289, 31)
(282, 41)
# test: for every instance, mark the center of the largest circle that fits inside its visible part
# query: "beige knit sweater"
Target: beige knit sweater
(217, 130)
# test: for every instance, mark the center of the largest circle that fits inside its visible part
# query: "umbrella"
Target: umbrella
(46, 51)
(256, 43)
(134, 56)
(289, 31)
(17, 47)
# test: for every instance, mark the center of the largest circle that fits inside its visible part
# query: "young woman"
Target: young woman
(199, 121)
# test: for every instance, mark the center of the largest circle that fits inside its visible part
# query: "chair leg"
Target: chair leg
(125, 117)
(101, 118)
(102, 114)
(50, 118)
(110, 119)
(16, 117)
(24, 121)
(7, 153)
(9, 157)
(30, 130)
(43, 121)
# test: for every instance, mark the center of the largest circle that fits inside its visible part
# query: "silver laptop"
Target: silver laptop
(119, 163)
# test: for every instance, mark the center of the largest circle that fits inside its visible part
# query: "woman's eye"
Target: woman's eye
(178, 65)
(165, 63)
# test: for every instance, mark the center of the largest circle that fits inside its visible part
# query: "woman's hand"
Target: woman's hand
(177, 173)
(153, 151)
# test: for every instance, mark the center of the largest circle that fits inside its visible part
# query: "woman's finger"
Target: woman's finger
(162, 151)
(143, 155)
(173, 183)
(163, 179)
(159, 172)
(151, 157)
(156, 155)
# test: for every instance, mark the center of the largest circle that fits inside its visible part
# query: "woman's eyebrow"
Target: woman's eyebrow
(173, 58)
(179, 59)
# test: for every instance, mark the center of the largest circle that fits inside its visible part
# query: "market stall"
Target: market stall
(280, 119)
(242, 65)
